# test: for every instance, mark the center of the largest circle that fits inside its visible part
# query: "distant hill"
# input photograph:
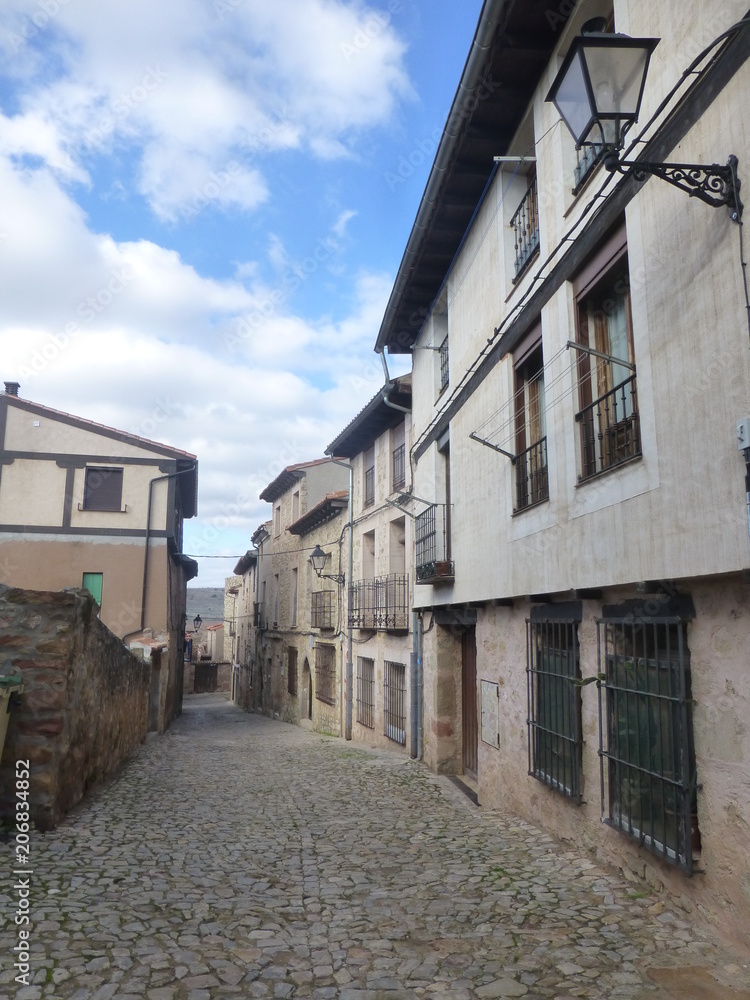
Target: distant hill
(208, 602)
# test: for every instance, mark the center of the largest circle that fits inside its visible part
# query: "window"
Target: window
(366, 692)
(368, 555)
(525, 226)
(321, 609)
(608, 417)
(277, 520)
(554, 704)
(102, 489)
(291, 670)
(295, 506)
(93, 582)
(325, 673)
(532, 484)
(394, 708)
(276, 593)
(646, 737)
(444, 364)
(398, 477)
(295, 577)
(369, 484)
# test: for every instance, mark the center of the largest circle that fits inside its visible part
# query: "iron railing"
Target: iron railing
(399, 466)
(554, 705)
(532, 482)
(381, 603)
(321, 609)
(432, 538)
(525, 226)
(325, 673)
(366, 692)
(610, 429)
(444, 364)
(370, 486)
(587, 158)
(648, 772)
(394, 704)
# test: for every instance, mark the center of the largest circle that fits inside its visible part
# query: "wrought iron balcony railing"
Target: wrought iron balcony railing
(532, 483)
(432, 536)
(610, 429)
(525, 226)
(380, 604)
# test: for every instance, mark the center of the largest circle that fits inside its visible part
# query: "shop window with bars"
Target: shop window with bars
(291, 670)
(648, 781)
(321, 609)
(102, 489)
(554, 705)
(366, 692)
(394, 698)
(325, 673)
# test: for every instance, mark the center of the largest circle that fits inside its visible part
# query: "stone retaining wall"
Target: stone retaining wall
(85, 702)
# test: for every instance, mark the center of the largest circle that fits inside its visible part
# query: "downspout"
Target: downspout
(347, 582)
(157, 479)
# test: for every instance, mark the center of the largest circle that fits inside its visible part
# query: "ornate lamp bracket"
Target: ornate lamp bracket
(715, 185)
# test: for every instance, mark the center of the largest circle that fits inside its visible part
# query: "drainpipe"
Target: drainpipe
(388, 387)
(158, 479)
(348, 582)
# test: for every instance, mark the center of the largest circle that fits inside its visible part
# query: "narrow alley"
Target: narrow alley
(238, 856)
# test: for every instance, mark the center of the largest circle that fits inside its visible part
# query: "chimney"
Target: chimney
(11, 388)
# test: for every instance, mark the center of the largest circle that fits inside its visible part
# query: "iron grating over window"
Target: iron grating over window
(366, 692)
(381, 603)
(399, 466)
(444, 360)
(648, 771)
(525, 226)
(291, 670)
(321, 609)
(554, 705)
(102, 489)
(325, 673)
(394, 708)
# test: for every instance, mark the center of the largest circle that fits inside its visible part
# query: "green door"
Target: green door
(93, 583)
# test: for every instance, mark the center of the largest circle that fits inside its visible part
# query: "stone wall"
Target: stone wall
(85, 702)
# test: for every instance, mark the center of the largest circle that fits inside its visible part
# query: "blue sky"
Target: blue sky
(204, 205)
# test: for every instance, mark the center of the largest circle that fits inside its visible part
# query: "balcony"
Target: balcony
(432, 535)
(610, 430)
(381, 604)
(532, 484)
(322, 610)
(525, 226)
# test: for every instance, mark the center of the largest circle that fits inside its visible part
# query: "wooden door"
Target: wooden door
(469, 701)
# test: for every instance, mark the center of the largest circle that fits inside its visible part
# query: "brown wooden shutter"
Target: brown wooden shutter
(103, 489)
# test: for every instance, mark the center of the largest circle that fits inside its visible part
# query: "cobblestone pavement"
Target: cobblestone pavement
(237, 856)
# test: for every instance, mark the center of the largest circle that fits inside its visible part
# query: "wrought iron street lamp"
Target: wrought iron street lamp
(598, 92)
(197, 622)
(318, 559)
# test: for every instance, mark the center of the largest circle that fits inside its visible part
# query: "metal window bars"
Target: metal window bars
(587, 158)
(554, 706)
(432, 544)
(370, 486)
(394, 701)
(648, 772)
(525, 226)
(366, 692)
(321, 609)
(381, 604)
(444, 364)
(325, 674)
(532, 482)
(399, 466)
(610, 429)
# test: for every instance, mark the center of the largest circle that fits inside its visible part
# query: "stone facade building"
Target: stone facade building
(581, 365)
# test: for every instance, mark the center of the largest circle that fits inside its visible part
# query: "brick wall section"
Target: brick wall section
(85, 701)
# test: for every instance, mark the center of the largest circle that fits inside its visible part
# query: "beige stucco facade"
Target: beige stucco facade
(57, 533)
(665, 527)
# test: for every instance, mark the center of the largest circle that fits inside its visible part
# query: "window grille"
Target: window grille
(394, 708)
(291, 670)
(102, 489)
(399, 466)
(432, 544)
(610, 429)
(648, 771)
(325, 673)
(532, 482)
(366, 692)
(554, 705)
(321, 610)
(444, 358)
(382, 603)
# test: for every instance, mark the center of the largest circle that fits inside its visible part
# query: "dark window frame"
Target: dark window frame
(530, 463)
(325, 673)
(366, 692)
(102, 489)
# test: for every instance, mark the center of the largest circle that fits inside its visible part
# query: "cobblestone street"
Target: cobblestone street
(237, 856)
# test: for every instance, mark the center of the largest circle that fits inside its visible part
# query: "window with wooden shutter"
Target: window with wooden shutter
(102, 489)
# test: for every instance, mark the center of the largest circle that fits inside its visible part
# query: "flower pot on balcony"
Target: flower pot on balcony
(443, 569)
